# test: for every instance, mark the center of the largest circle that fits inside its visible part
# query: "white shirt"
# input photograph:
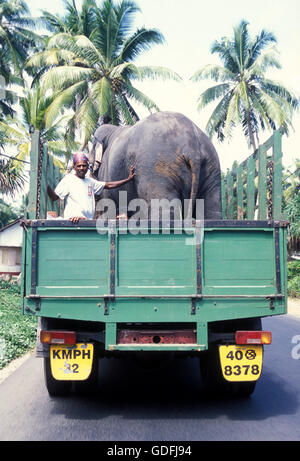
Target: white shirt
(80, 195)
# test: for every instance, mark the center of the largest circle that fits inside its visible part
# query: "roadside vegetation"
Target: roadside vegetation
(17, 331)
(294, 279)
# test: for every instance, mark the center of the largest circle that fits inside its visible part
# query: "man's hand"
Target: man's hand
(115, 184)
(131, 173)
(75, 219)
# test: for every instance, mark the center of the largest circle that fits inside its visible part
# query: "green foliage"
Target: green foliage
(16, 131)
(11, 177)
(7, 213)
(244, 95)
(291, 199)
(293, 214)
(17, 331)
(16, 41)
(16, 36)
(294, 279)
(89, 63)
(293, 269)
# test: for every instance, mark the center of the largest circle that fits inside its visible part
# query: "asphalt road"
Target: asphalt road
(164, 405)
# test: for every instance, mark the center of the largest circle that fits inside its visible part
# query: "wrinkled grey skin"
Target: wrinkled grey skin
(172, 157)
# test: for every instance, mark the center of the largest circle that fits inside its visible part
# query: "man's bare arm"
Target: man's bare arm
(52, 194)
(115, 184)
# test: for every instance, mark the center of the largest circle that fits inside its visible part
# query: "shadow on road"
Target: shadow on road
(173, 391)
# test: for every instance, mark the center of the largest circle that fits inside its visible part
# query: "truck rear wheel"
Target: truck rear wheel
(89, 385)
(214, 383)
(55, 388)
(210, 367)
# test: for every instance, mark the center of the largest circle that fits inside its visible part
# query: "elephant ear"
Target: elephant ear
(100, 141)
(103, 120)
(91, 155)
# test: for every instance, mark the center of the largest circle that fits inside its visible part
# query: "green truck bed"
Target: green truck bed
(213, 271)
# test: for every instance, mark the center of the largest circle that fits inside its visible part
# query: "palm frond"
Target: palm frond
(140, 41)
(260, 42)
(124, 14)
(266, 60)
(233, 113)
(11, 178)
(64, 100)
(61, 77)
(102, 95)
(140, 97)
(241, 43)
(213, 93)
(86, 118)
(153, 72)
(216, 121)
(226, 54)
(215, 72)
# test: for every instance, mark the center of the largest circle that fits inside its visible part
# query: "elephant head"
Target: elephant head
(100, 143)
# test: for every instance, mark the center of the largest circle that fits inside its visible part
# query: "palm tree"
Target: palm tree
(11, 177)
(75, 22)
(16, 132)
(16, 38)
(93, 74)
(244, 94)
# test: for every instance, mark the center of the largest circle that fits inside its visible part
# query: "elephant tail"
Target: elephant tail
(195, 176)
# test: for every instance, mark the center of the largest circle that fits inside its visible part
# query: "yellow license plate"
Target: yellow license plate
(71, 363)
(241, 363)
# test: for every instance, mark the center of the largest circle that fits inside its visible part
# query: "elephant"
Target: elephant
(172, 157)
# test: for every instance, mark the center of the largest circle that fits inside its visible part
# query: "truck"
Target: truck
(101, 290)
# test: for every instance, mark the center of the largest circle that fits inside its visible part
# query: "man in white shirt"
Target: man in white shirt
(80, 191)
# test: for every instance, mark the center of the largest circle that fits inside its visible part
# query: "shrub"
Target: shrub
(294, 279)
(17, 331)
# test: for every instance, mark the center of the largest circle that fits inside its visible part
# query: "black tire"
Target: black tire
(210, 367)
(55, 388)
(89, 386)
(214, 384)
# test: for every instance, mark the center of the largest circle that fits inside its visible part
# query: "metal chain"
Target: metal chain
(270, 166)
(39, 176)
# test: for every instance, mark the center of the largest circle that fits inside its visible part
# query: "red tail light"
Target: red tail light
(58, 337)
(253, 337)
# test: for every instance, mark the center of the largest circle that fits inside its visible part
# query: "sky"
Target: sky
(189, 28)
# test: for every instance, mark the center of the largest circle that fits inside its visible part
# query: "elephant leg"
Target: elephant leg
(213, 205)
(163, 206)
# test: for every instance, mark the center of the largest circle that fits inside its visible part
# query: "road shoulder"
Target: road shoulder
(14, 365)
(294, 306)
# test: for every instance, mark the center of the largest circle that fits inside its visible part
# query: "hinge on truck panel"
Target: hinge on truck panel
(105, 306)
(38, 304)
(27, 309)
(271, 299)
(193, 309)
